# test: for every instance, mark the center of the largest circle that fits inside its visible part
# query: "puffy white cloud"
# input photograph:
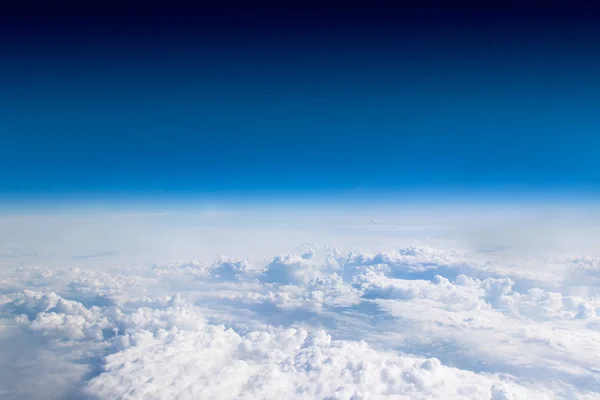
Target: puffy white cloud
(215, 362)
(161, 347)
(323, 322)
(290, 269)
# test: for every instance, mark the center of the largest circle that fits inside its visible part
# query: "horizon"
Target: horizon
(304, 200)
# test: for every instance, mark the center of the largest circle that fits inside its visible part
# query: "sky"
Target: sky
(143, 101)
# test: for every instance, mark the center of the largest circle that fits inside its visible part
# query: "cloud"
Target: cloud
(161, 347)
(326, 321)
(219, 363)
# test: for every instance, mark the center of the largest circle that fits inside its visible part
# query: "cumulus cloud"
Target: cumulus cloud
(331, 322)
(163, 348)
(219, 363)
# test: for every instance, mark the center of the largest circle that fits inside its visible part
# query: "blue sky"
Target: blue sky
(265, 113)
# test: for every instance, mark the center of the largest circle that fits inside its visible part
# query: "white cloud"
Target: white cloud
(398, 319)
(219, 363)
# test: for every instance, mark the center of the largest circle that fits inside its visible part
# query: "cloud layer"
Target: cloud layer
(412, 322)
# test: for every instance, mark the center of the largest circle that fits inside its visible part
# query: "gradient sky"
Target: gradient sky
(140, 100)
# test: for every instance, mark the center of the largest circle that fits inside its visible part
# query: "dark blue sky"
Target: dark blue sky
(143, 100)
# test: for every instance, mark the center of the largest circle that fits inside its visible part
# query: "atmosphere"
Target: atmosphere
(145, 100)
(298, 201)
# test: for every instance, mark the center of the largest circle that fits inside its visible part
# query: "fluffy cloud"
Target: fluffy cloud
(411, 322)
(219, 363)
(163, 348)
